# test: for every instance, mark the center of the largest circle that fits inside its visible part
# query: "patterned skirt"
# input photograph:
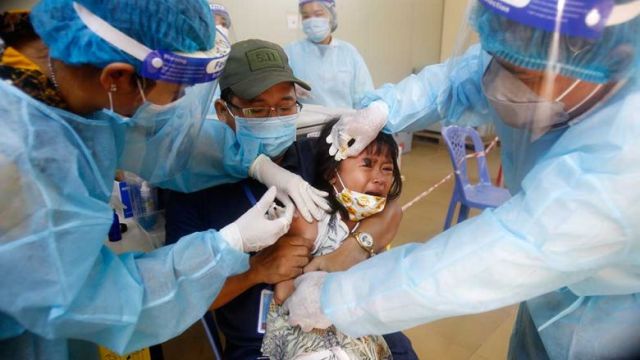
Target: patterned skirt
(285, 342)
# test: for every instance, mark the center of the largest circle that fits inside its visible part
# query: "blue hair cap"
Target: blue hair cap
(612, 56)
(170, 25)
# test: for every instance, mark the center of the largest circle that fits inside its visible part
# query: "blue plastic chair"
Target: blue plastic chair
(482, 195)
(211, 330)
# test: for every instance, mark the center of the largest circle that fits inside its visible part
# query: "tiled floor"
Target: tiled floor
(478, 337)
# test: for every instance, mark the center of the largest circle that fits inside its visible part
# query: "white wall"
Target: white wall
(455, 37)
(426, 32)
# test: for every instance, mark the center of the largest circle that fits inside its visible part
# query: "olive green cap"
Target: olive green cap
(254, 66)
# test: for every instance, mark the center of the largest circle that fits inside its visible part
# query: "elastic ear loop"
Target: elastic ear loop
(591, 94)
(341, 183)
(229, 110)
(587, 98)
(112, 89)
(144, 98)
(568, 90)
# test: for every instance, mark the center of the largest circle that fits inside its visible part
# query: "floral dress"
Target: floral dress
(283, 341)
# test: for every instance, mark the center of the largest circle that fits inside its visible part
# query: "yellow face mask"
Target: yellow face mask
(359, 205)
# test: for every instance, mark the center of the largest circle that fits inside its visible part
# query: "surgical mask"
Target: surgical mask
(359, 205)
(316, 28)
(161, 131)
(151, 114)
(520, 107)
(272, 135)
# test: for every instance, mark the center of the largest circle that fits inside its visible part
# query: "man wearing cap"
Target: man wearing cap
(259, 103)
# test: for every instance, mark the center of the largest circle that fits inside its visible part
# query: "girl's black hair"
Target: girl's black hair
(326, 165)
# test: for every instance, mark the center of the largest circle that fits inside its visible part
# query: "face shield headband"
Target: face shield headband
(174, 67)
(586, 19)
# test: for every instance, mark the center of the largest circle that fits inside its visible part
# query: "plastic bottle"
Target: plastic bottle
(148, 209)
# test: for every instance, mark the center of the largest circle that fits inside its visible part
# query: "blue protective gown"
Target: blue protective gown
(58, 279)
(211, 113)
(569, 239)
(337, 73)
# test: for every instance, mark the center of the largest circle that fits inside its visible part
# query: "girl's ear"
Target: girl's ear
(334, 176)
(336, 184)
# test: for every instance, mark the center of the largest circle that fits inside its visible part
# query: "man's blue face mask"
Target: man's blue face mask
(273, 135)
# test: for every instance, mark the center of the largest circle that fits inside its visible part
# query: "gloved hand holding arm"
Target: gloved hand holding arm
(309, 201)
(304, 303)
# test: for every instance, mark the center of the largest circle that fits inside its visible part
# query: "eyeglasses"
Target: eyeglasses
(265, 111)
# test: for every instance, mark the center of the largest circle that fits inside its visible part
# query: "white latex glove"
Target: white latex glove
(311, 203)
(304, 304)
(361, 127)
(253, 231)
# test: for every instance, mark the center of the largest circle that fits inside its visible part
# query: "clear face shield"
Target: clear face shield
(318, 20)
(223, 22)
(176, 90)
(545, 65)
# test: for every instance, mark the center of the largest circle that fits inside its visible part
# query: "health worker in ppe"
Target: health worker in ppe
(222, 19)
(560, 80)
(90, 87)
(221, 15)
(334, 68)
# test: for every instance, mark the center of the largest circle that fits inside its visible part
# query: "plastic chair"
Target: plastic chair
(482, 195)
(211, 330)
